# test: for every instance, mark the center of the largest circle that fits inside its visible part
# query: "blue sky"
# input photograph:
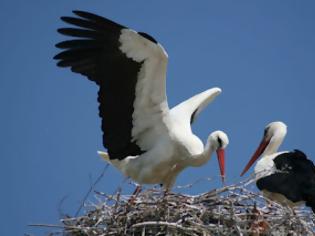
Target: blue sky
(261, 53)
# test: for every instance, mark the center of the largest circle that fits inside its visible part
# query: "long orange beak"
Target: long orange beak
(220, 154)
(261, 148)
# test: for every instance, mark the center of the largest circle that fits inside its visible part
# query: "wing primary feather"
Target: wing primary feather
(76, 54)
(98, 19)
(192, 118)
(85, 69)
(80, 43)
(73, 62)
(81, 23)
(80, 33)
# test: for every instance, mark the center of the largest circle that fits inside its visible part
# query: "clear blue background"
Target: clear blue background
(261, 53)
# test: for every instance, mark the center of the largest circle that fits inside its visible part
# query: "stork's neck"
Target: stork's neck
(202, 158)
(275, 142)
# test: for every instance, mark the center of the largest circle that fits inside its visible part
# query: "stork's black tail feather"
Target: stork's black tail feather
(311, 203)
(310, 197)
(309, 192)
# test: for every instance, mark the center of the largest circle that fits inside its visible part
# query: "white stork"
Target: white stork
(145, 139)
(285, 177)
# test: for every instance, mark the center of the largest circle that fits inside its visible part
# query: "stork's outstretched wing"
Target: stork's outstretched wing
(189, 109)
(130, 69)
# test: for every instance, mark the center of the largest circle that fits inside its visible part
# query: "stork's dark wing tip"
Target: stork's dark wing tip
(87, 15)
(61, 30)
(56, 57)
(148, 37)
(62, 64)
(78, 12)
(59, 45)
(64, 18)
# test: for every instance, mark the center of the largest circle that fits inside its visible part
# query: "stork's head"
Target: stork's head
(273, 135)
(219, 141)
(273, 129)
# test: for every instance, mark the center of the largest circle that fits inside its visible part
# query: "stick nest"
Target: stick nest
(230, 210)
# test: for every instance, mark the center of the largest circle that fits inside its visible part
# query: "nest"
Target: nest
(230, 210)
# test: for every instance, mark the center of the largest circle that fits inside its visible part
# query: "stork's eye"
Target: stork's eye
(266, 131)
(220, 142)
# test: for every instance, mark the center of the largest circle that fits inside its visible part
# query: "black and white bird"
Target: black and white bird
(285, 177)
(145, 139)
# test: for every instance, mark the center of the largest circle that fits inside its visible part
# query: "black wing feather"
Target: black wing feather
(79, 43)
(81, 23)
(95, 53)
(103, 22)
(295, 179)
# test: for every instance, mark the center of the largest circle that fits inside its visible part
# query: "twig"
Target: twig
(54, 226)
(161, 223)
(91, 189)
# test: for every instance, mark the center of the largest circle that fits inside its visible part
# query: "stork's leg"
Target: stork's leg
(166, 190)
(269, 207)
(135, 194)
(258, 224)
(291, 209)
(137, 190)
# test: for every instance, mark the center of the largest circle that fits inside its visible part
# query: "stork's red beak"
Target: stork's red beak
(220, 154)
(261, 148)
